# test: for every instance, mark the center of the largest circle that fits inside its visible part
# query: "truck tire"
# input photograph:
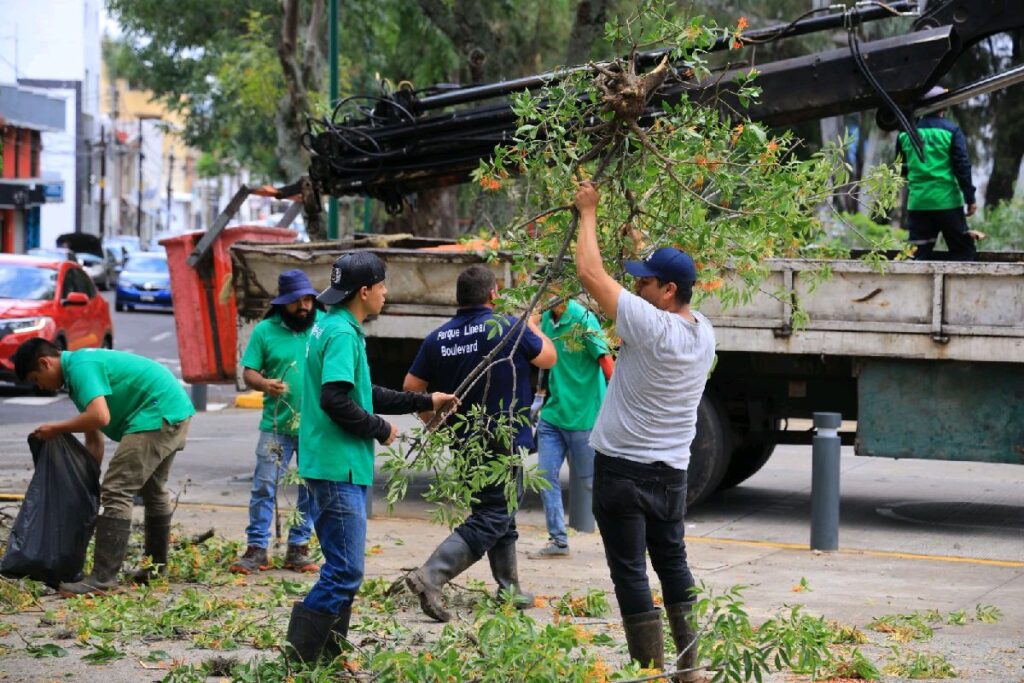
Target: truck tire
(710, 452)
(747, 459)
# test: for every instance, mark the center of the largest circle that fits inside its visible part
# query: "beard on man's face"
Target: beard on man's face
(298, 321)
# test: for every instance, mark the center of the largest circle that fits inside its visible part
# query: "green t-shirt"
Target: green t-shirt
(336, 352)
(141, 394)
(576, 384)
(276, 351)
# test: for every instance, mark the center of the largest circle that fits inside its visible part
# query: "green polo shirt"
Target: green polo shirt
(276, 351)
(141, 394)
(576, 384)
(336, 352)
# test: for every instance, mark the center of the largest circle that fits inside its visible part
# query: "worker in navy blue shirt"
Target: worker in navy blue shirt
(447, 356)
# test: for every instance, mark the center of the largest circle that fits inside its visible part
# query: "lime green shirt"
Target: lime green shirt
(141, 394)
(336, 352)
(276, 351)
(576, 384)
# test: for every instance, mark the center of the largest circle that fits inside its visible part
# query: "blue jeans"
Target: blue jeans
(264, 484)
(340, 521)
(553, 444)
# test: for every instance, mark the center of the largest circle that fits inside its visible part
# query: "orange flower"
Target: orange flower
(490, 184)
(741, 25)
(711, 285)
(700, 160)
(772, 146)
(737, 44)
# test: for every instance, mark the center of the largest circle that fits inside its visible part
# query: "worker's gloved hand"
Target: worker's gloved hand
(538, 403)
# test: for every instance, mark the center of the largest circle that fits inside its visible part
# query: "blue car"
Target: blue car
(144, 281)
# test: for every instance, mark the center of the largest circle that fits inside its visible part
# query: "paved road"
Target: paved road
(912, 507)
(148, 333)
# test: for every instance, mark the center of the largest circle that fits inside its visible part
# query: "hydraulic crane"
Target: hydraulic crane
(392, 145)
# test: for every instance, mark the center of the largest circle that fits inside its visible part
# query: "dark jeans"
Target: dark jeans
(339, 510)
(925, 227)
(640, 507)
(490, 524)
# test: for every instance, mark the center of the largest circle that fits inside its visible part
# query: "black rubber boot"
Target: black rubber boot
(311, 634)
(644, 638)
(686, 642)
(450, 559)
(506, 572)
(339, 635)
(158, 535)
(109, 550)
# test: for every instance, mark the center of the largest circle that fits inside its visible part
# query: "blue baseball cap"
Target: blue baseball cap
(668, 264)
(292, 285)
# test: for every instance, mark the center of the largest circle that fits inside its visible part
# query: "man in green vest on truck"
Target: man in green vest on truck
(939, 187)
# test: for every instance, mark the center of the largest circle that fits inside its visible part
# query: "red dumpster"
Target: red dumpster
(204, 301)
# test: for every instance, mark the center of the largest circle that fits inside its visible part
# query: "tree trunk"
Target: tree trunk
(299, 79)
(433, 213)
(587, 27)
(1007, 136)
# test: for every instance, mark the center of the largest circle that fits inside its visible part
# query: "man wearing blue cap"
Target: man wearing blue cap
(340, 421)
(643, 434)
(273, 363)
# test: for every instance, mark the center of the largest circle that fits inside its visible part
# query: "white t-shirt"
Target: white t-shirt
(650, 410)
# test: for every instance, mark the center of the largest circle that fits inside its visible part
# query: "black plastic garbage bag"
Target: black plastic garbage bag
(56, 520)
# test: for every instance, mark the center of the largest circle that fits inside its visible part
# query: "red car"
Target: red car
(46, 297)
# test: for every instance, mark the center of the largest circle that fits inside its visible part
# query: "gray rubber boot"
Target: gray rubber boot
(644, 638)
(686, 642)
(110, 547)
(311, 635)
(506, 572)
(449, 559)
(158, 534)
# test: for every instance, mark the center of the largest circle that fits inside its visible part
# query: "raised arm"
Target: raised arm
(599, 284)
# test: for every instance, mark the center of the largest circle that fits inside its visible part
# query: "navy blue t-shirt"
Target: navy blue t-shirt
(450, 353)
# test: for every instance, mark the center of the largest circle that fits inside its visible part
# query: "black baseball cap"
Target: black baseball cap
(668, 264)
(351, 272)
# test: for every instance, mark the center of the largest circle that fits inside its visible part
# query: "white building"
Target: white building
(53, 47)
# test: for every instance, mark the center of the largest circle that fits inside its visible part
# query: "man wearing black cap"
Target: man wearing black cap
(339, 425)
(643, 434)
(274, 361)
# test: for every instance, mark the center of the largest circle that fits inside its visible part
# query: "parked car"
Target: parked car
(103, 271)
(49, 298)
(144, 281)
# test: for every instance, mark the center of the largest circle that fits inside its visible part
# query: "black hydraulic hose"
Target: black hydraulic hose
(862, 66)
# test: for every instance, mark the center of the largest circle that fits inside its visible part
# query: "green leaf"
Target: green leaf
(46, 650)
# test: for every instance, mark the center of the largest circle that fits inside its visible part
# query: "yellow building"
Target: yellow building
(151, 187)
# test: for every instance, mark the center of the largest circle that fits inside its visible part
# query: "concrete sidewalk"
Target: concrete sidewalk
(915, 535)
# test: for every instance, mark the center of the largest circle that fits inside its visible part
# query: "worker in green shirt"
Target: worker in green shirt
(274, 361)
(940, 192)
(340, 422)
(132, 400)
(575, 391)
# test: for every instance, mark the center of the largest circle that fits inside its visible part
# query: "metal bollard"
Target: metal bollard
(199, 397)
(581, 496)
(369, 501)
(825, 482)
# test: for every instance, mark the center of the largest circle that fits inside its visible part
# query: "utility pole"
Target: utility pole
(103, 181)
(170, 186)
(138, 208)
(332, 20)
